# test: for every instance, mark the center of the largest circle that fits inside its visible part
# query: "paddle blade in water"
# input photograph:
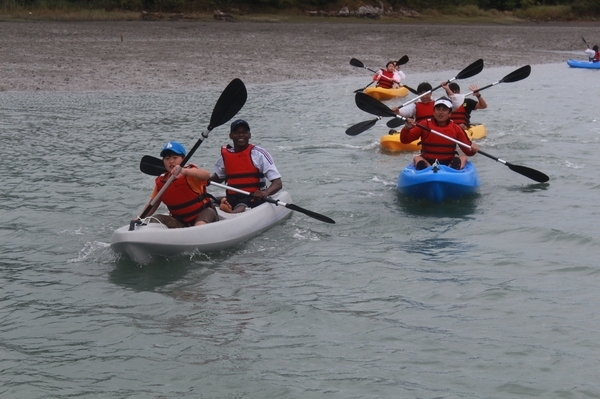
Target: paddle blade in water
(360, 127)
(229, 103)
(528, 172)
(312, 214)
(517, 75)
(372, 105)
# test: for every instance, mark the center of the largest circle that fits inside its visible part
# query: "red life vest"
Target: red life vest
(183, 202)
(424, 110)
(597, 56)
(459, 115)
(435, 147)
(385, 83)
(240, 172)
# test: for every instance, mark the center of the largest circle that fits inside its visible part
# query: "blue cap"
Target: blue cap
(174, 147)
(239, 122)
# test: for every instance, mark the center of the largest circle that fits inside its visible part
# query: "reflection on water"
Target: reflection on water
(459, 208)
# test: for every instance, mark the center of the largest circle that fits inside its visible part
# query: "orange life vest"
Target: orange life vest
(435, 147)
(459, 115)
(240, 172)
(385, 83)
(183, 201)
(424, 110)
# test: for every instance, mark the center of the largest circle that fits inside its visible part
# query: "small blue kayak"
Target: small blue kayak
(438, 183)
(583, 64)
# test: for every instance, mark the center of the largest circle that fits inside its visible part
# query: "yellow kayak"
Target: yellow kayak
(382, 94)
(391, 142)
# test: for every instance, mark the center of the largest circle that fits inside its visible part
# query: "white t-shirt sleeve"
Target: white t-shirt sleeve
(264, 162)
(408, 111)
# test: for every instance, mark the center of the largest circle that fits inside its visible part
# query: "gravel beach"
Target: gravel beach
(141, 55)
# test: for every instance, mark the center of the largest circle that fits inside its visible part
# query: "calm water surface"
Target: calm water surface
(492, 297)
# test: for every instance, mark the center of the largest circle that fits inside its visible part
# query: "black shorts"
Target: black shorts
(249, 201)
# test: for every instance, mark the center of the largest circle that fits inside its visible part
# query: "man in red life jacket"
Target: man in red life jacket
(462, 115)
(434, 147)
(246, 167)
(186, 196)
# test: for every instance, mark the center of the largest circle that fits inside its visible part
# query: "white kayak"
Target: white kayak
(150, 240)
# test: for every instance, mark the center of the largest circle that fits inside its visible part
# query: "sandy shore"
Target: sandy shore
(85, 56)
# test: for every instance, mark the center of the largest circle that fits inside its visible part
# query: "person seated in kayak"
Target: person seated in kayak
(596, 56)
(186, 196)
(388, 78)
(462, 115)
(246, 167)
(434, 147)
(423, 108)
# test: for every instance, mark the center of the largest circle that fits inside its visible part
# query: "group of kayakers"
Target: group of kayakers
(241, 165)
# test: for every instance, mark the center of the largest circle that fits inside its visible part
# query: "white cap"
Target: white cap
(445, 101)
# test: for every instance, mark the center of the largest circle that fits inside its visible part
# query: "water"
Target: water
(495, 296)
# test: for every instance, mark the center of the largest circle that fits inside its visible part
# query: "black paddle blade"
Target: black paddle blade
(403, 60)
(517, 75)
(356, 63)
(312, 214)
(525, 171)
(229, 103)
(396, 122)
(413, 91)
(471, 70)
(360, 127)
(152, 166)
(528, 172)
(372, 105)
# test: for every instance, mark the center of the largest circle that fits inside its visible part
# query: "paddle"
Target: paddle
(154, 166)
(471, 70)
(293, 207)
(229, 103)
(357, 63)
(586, 43)
(376, 107)
(514, 76)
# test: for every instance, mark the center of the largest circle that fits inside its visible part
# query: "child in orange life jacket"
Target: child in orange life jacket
(186, 196)
(388, 78)
(246, 167)
(434, 146)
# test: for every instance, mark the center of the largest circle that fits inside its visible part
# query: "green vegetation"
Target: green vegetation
(448, 11)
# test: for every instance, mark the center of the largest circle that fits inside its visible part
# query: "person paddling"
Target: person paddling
(434, 147)
(423, 108)
(186, 196)
(593, 54)
(389, 78)
(247, 167)
(462, 115)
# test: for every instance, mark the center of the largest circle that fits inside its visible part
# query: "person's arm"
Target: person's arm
(410, 132)
(407, 111)
(196, 173)
(481, 104)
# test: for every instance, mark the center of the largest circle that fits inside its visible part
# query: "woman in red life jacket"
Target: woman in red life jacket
(186, 198)
(247, 167)
(436, 147)
(462, 115)
(388, 78)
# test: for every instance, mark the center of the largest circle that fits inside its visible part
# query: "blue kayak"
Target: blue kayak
(583, 64)
(438, 183)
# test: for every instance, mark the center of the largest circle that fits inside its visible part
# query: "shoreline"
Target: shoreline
(153, 56)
